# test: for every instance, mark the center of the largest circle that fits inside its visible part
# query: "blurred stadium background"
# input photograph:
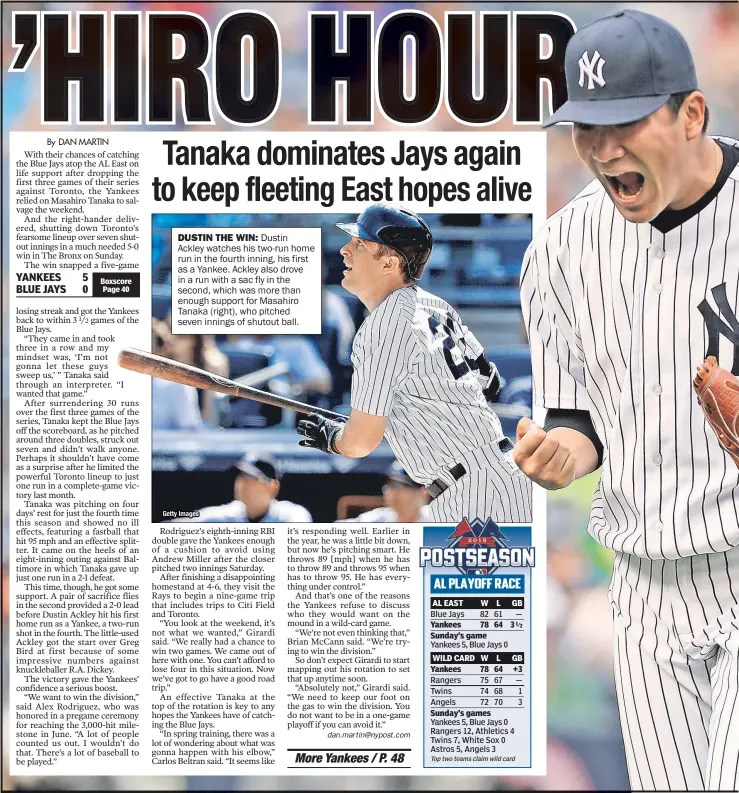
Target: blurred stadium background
(585, 751)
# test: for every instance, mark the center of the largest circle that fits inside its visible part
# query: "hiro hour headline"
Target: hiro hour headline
(127, 65)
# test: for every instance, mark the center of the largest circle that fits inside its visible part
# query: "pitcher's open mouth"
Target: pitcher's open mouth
(627, 186)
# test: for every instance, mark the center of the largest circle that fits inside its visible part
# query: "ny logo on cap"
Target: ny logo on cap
(593, 69)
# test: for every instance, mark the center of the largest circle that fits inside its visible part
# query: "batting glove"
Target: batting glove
(320, 433)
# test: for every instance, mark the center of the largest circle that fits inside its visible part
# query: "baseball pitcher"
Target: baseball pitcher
(630, 294)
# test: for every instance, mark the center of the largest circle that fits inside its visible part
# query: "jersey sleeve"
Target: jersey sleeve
(474, 353)
(548, 312)
(465, 338)
(381, 356)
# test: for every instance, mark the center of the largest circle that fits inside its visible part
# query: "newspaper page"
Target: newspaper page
(265, 369)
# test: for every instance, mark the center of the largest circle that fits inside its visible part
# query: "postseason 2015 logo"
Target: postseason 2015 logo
(477, 547)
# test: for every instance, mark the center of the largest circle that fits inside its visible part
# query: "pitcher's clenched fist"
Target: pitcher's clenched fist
(542, 457)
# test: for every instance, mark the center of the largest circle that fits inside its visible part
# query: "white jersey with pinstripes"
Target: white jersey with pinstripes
(410, 359)
(612, 311)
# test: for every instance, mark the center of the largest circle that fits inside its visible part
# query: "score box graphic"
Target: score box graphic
(477, 645)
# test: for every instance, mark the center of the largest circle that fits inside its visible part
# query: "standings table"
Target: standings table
(477, 672)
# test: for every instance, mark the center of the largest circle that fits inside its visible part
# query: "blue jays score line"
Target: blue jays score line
(481, 556)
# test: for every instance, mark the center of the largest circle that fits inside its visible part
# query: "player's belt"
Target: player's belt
(438, 486)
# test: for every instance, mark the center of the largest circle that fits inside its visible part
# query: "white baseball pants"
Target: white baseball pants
(676, 658)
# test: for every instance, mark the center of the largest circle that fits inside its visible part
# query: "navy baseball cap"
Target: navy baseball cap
(260, 466)
(622, 68)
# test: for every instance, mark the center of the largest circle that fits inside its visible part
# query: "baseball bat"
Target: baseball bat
(177, 372)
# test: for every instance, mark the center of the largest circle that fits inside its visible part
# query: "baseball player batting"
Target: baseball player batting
(420, 379)
(630, 294)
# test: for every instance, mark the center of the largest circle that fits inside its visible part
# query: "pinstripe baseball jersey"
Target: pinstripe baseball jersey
(619, 318)
(412, 360)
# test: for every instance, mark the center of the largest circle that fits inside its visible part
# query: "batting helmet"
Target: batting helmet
(403, 231)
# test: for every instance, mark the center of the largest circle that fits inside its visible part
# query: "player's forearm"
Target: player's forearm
(361, 435)
(352, 443)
